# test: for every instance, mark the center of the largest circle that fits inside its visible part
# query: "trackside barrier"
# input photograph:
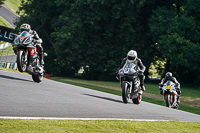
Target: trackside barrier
(47, 75)
(8, 65)
(8, 59)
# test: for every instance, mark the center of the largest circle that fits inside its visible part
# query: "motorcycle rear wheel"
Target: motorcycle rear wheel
(138, 99)
(37, 78)
(21, 65)
(125, 92)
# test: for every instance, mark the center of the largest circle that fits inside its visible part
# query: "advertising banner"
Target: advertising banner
(7, 34)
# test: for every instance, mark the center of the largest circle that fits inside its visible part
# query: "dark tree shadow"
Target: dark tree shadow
(9, 77)
(106, 98)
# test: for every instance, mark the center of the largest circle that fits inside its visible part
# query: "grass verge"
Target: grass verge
(108, 126)
(12, 5)
(3, 22)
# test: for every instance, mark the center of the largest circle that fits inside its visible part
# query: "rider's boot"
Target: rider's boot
(142, 77)
(142, 87)
(41, 58)
(15, 51)
(178, 99)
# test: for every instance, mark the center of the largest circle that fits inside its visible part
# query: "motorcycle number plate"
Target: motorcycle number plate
(33, 51)
(126, 70)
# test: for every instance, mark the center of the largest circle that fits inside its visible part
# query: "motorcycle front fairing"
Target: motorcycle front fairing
(24, 40)
(169, 89)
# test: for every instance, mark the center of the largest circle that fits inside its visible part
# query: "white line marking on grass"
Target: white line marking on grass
(60, 118)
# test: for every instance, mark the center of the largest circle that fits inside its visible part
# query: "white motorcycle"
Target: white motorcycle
(170, 95)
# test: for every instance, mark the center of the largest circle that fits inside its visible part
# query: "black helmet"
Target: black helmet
(168, 75)
(25, 27)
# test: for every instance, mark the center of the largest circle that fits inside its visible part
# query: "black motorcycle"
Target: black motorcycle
(27, 56)
(130, 83)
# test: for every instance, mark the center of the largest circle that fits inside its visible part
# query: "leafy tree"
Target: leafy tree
(175, 38)
(1, 2)
(99, 34)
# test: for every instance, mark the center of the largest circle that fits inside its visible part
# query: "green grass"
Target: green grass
(88, 126)
(4, 23)
(12, 5)
(10, 48)
(6, 52)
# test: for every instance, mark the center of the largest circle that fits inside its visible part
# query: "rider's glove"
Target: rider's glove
(117, 75)
(176, 85)
(161, 92)
(161, 85)
(178, 91)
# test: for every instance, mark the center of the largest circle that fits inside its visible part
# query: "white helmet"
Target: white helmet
(131, 56)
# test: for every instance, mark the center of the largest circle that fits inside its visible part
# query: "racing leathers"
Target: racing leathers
(139, 63)
(177, 86)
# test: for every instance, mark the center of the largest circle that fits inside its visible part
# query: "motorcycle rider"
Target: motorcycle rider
(132, 57)
(168, 77)
(36, 40)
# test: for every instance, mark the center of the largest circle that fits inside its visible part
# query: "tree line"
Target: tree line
(97, 34)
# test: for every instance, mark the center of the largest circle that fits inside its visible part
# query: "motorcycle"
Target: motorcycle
(130, 83)
(170, 95)
(27, 56)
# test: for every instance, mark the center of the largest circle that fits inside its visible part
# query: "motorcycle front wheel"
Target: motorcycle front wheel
(167, 101)
(125, 92)
(21, 65)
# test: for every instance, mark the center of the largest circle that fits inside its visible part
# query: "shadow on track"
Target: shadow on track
(110, 99)
(9, 77)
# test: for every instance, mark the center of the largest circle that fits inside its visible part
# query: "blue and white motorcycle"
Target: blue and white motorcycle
(130, 83)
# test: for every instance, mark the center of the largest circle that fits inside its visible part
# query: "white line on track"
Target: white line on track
(59, 118)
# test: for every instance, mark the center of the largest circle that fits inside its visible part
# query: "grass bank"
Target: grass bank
(3, 22)
(12, 5)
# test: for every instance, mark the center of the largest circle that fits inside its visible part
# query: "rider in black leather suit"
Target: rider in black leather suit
(36, 39)
(168, 77)
(132, 57)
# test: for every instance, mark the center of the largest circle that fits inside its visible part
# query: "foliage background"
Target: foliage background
(97, 34)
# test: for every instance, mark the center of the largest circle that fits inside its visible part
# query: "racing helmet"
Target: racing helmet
(131, 56)
(168, 75)
(25, 27)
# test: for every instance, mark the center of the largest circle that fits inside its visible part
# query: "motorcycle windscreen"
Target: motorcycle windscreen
(25, 38)
(168, 84)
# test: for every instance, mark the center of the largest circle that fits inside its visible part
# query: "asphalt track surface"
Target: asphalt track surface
(9, 16)
(21, 97)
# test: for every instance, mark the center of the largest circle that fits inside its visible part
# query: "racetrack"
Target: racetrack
(21, 97)
(9, 16)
